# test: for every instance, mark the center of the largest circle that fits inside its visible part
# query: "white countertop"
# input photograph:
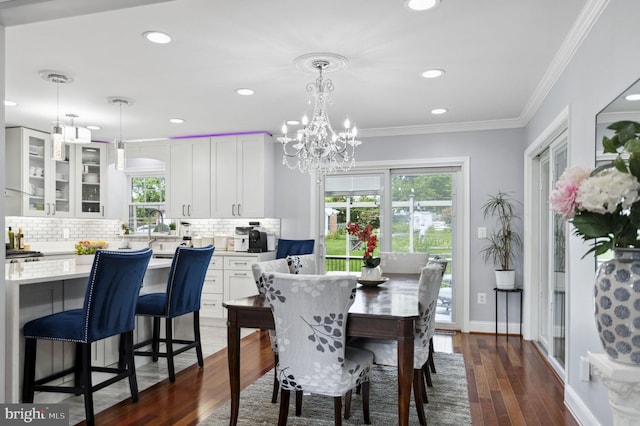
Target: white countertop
(57, 270)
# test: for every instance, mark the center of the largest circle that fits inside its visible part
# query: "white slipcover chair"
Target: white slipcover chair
(277, 265)
(310, 313)
(386, 351)
(402, 263)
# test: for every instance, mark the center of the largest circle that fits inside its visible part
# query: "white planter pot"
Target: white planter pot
(85, 259)
(371, 274)
(506, 279)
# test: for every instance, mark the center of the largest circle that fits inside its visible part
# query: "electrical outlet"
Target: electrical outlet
(65, 233)
(482, 232)
(482, 298)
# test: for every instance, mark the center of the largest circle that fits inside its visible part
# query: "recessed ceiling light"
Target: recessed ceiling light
(245, 92)
(438, 111)
(10, 103)
(420, 5)
(176, 120)
(632, 97)
(434, 73)
(94, 127)
(157, 37)
(292, 122)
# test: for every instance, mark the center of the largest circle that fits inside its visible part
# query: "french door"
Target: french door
(552, 266)
(411, 210)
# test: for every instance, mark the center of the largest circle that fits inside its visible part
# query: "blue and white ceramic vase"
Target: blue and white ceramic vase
(617, 306)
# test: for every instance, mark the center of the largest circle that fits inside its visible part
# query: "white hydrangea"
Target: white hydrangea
(603, 192)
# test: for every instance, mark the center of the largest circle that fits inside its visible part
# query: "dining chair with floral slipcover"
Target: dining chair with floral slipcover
(402, 263)
(302, 264)
(386, 351)
(277, 265)
(310, 314)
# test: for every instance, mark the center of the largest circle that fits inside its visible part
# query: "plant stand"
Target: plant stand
(506, 297)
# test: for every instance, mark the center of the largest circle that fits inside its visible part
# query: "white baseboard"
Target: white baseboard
(579, 410)
(490, 327)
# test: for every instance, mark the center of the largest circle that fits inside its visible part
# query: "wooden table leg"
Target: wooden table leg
(233, 354)
(405, 369)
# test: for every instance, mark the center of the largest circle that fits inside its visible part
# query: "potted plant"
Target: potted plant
(172, 228)
(371, 268)
(504, 242)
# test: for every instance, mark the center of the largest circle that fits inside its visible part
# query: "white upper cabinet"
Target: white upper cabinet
(36, 184)
(189, 179)
(91, 172)
(242, 176)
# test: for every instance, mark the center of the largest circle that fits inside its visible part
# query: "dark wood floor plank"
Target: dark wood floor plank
(508, 383)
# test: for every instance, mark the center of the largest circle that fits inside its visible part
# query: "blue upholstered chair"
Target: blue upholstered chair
(310, 314)
(386, 351)
(108, 310)
(291, 247)
(184, 290)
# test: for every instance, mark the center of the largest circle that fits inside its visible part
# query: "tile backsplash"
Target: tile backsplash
(39, 229)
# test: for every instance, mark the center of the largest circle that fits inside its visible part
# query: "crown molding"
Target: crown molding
(579, 31)
(469, 126)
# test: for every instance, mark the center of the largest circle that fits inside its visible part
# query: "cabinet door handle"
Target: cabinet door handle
(240, 274)
(233, 211)
(188, 209)
(48, 208)
(102, 210)
(183, 214)
(239, 210)
(53, 209)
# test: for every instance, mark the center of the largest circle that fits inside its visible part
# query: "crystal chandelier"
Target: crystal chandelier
(317, 147)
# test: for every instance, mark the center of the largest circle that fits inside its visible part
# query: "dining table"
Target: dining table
(385, 311)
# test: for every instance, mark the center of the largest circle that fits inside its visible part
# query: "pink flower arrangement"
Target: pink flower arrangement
(563, 198)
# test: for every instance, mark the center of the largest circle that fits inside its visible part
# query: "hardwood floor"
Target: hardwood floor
(508, 384)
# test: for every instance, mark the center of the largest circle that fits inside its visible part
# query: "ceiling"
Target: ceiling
(499, 57)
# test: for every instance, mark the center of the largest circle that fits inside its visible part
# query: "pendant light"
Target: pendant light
(57, 131)
(119, 142)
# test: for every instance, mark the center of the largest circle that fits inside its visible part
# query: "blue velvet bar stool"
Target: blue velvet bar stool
(184, 290)
(108, 310)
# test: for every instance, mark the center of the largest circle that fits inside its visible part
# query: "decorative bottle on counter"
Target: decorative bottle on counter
(20, 240)
(11, 239)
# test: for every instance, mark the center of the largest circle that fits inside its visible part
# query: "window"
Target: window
(148, 195)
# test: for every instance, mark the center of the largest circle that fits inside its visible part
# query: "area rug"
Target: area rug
(448, 401)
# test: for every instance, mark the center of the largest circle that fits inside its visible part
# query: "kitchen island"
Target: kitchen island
(36, 289)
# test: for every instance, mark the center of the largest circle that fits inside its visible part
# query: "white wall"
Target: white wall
(487, 176)
(3, 295)
(605, 64)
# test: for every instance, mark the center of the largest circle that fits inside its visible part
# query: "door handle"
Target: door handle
(183, 214)
(48, 209)
(189, 210)
(239, 210)
(233, 207)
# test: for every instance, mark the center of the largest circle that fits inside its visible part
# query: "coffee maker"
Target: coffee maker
(257, 241)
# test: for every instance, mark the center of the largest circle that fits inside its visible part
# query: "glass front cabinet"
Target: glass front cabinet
(90, 182)
(38, 185)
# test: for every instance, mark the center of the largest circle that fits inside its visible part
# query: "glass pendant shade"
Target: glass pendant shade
(119, 155)
(58, 143)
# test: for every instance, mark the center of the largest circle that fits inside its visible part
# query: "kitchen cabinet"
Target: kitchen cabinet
(189, 179)
(37, 184)
(213, 290)
(242, 176)
(229, 277)
(91, 172)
